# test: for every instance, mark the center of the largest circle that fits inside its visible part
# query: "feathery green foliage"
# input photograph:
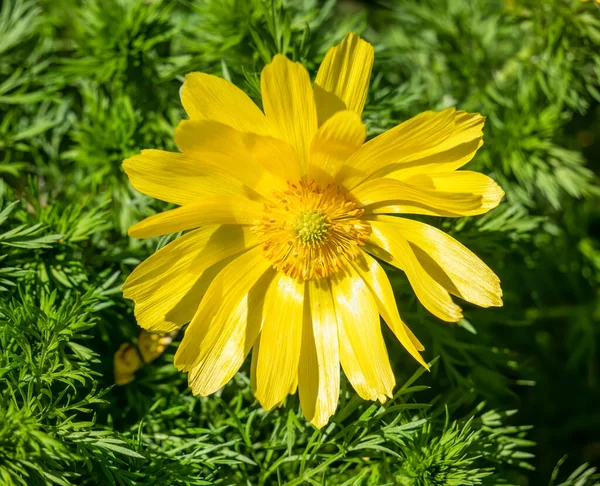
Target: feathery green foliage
(87, 83)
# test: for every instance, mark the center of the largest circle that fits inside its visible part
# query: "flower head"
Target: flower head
(290, 212)
(129, 358)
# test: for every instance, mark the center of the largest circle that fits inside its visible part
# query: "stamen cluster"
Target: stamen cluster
(311, 231)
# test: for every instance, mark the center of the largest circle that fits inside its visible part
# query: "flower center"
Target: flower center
(311, 227)
(311, 231)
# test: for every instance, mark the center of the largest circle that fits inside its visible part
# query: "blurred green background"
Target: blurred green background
(514, 395)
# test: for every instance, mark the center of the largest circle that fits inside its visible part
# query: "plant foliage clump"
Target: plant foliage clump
(513, 393)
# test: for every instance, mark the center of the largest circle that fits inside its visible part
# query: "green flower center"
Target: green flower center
(311, 227)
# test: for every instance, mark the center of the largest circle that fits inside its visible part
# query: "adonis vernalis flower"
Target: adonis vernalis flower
(129, 358)
(290, 212)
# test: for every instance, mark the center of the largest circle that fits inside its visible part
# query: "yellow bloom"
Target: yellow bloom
(129, 359)
(288, 206)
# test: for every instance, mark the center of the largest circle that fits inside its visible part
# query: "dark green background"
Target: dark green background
(85, 84)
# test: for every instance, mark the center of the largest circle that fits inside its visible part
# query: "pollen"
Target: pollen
(311, 231)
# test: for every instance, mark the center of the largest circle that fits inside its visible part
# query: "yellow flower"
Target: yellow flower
(129, 359)
(288, 207)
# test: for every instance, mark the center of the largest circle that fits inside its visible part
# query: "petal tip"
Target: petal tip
(131, 232)
(319, 422)
(279, 58)
(421, 361)
(354, 37)
(186, 368)
(266, 402)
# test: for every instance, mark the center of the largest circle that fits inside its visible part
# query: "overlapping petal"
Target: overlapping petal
(389, 245)
(209, 210)
(168, 287)
(237, 154)
(456, 184)
(451, 263)
(379, 285)
(421, 136)
(280, 340)
(179, 178)
(289, 104)
(363, 354)
(275, 156)
(335, 141)
(385, 195)
(226, 324)
(208, 97)
(319, 371)
(436, 264)
(343, 78)
(451, 154)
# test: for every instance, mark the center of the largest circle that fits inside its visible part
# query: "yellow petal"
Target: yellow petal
(289, 104)
(456, 150)
(126, 363)
(420, 135)
(343, 78)
(461, 182)
(385, 195)
(379, 285)
(226, 324)
(458, 269)
(294, 386)
(308, 372)
(208, 97)
(398, 252)
(185, 309)
(216, 145)
(180, 272)
(276, 156)
(417, 344)
(280, 340)
(152, 345)
(254, 362)
(319, 371)
(363, 355)
(209, 210)
(335, 141)
(179, 178)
